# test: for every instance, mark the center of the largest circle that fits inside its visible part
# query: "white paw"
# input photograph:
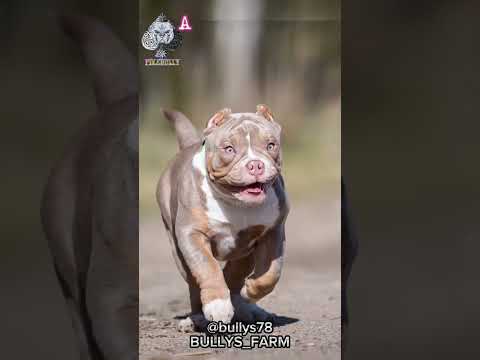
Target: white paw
(219, 310)
(192, 322)
(186, 325)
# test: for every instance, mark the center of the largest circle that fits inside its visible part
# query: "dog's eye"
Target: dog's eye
(271, 146)
(229, 149)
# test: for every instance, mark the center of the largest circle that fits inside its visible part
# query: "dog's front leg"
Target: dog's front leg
(207, 275)
(268, 265)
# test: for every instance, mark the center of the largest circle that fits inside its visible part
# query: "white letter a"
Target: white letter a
(185, 26)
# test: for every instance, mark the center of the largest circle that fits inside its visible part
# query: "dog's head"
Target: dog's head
(243, 154)
(162, 31)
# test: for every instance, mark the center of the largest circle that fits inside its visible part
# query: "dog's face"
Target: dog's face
(243, 154)
(163, 31)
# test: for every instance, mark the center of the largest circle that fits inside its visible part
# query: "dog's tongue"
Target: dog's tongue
(254, 189)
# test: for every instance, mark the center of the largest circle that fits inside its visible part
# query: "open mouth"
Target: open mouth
(254, 189)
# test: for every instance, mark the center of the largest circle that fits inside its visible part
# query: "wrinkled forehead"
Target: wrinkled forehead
(243, 124)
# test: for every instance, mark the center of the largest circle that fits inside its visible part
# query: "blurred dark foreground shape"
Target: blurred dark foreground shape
(90, 205)
(349, 253)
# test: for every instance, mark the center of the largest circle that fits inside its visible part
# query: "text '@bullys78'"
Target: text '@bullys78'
(234, 336)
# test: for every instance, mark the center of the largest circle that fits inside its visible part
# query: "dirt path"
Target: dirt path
(308, 295)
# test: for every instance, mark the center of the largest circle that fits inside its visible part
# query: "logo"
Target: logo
(163, 37)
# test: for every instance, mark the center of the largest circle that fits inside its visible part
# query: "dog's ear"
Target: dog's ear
(264, 110)
(217, 120)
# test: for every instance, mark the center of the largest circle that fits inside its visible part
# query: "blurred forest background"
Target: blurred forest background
(241, 53)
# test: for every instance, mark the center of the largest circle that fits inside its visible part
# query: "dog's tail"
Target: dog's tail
(113, 66)
(187, 135)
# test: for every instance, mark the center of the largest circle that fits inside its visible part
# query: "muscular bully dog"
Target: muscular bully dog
(222, 199)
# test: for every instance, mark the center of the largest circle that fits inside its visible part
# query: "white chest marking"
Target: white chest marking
(239, 218)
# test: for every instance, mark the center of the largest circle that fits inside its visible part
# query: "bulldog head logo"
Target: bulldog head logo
(161, 36)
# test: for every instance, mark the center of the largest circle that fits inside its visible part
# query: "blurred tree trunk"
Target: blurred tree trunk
(236, 43)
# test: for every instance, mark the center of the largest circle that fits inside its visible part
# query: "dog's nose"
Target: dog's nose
(255, 167)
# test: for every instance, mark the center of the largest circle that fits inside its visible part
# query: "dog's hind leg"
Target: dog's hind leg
(86, 346)
(112, 302)
(87, 349)
(235, 273)
(268, 265)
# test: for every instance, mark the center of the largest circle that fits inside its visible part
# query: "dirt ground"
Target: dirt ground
(307, 298)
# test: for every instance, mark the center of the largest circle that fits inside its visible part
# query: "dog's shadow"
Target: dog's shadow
(276, 320)
(279, 321)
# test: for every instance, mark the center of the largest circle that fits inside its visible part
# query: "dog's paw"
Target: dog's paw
(194, 322)
(248, 312)
(219, 310)
(186, 325)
